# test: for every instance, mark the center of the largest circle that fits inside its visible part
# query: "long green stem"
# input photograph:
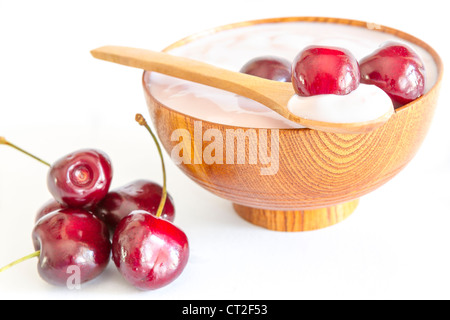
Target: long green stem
(6, 142)
(34, 254)
(140, 119)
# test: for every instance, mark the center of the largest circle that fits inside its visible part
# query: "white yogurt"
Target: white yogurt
(365, 103)
(232, 48)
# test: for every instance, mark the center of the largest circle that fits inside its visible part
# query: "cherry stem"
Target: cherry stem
(6, 142)
(34, 254)
(140, 119)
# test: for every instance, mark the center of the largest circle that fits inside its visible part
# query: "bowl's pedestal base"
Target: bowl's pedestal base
(302, 220)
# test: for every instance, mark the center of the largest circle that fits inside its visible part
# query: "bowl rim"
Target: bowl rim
(331, 20)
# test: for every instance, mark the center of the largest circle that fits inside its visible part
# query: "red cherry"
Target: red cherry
(48, 207)
(71, 237)
(396, 69)
(149, 252)
(69, 243)
(325, 70)
(136, 195)
(269, 67)
(80, 179)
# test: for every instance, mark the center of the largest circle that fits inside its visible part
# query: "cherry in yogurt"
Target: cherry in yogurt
(269, 67)
(325, 70)
(397, 70)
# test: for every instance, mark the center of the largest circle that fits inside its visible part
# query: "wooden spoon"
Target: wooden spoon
(273, 94)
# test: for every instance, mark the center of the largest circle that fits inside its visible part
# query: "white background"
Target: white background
(55, 98)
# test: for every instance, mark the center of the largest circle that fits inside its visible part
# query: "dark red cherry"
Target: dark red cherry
(269, 67)
(149, 252)
(325, 70)
(396, 69)
(80, 179)
(71, 241)
(136, 195)
(48, 207)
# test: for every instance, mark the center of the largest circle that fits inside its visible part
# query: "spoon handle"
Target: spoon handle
(242, 84)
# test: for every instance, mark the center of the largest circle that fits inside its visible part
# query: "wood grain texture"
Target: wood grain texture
(297, 220)
(316, 169)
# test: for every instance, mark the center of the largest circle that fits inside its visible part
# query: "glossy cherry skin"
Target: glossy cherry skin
(71, 238)
(269, 67)
(80, 179)
(48, 207)
(325, 70)
(396, 69)
(136, 195)
(149, 252)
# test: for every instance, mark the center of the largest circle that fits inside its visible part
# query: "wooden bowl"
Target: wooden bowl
(321, 176)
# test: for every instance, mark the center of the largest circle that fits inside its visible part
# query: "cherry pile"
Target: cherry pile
(394, 67)
(85, 224)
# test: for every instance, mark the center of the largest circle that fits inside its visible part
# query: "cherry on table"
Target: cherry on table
(269, 67)
(71, 237)
(80, 179)
(397, 69)
(69, 240)
(325, 70)
(137, 195)
(149, 252)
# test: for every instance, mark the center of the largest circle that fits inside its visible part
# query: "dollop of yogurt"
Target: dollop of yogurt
(365, 103)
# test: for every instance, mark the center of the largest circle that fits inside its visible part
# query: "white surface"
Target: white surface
(55, 98)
